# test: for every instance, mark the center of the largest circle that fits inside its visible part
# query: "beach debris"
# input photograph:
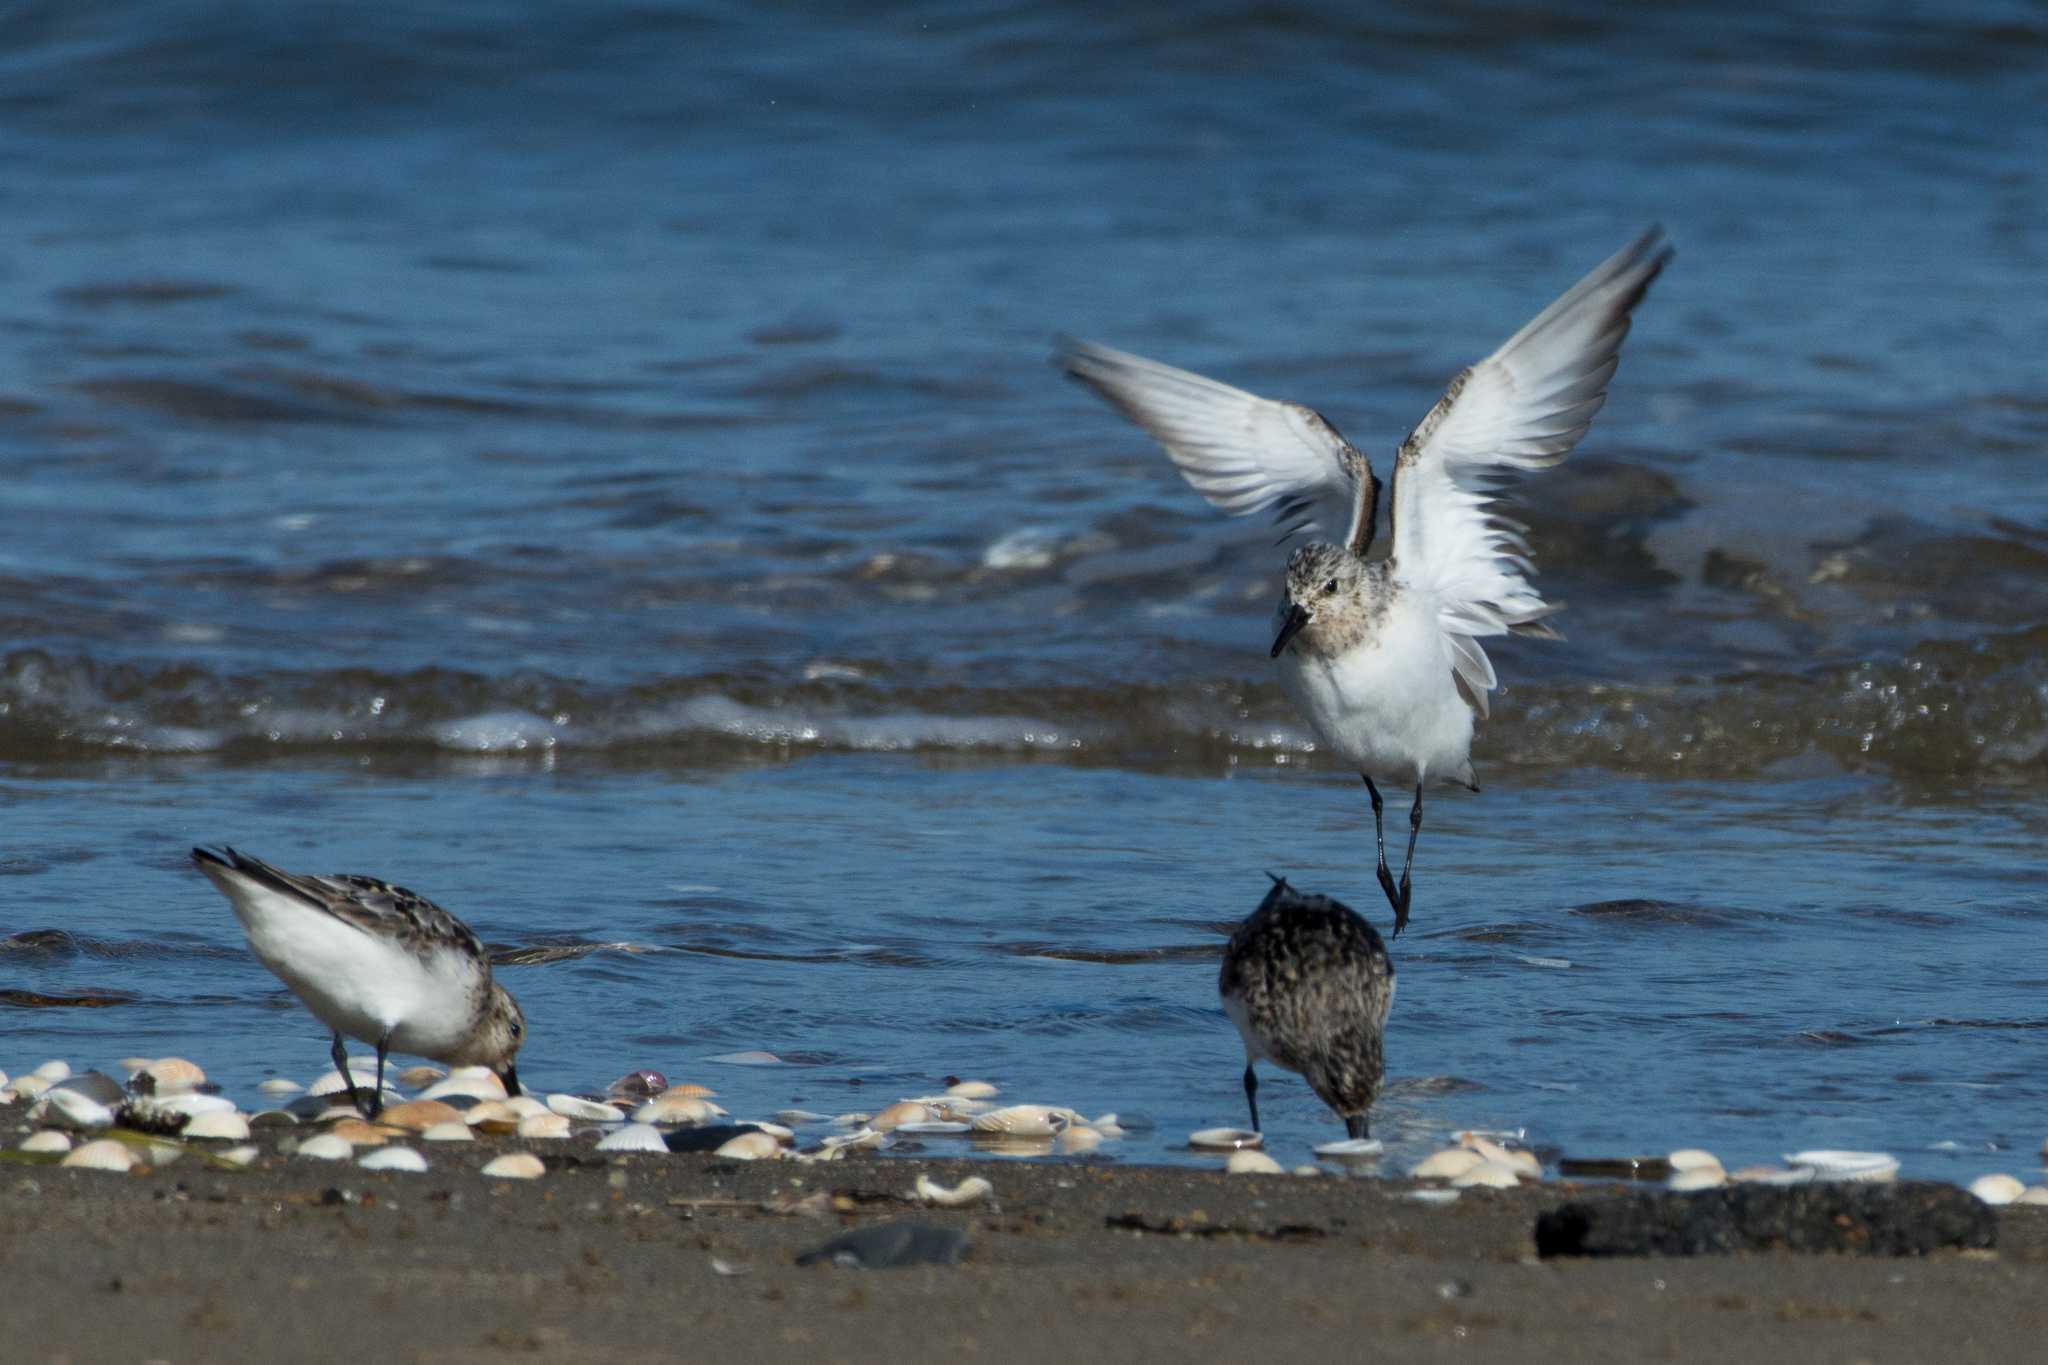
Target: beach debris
(227, 1126)
(1997, 1189)
(278, 1085)
(1352, 1149)
(1434, 1196)
(416, 1116)
(1853, 1166)
(633, 1137)
(46, 1140)
(524, 1106)
(103, 1154)
(1614, 1167)
(584, 1111)
(1518, 1159)
(326, 1147)
(394, 1159)
(1224, 1139)
(1906, 1218)
(448, 1130)
(968, 1191)
(515, 1166)
(896, 1115)
(858, 1140)
(751, 1146)
(887, 1246)
(643, 1084)
(166, 1076)
(544, 1126)
(1107, 1125)
(1025, 1120)
(1446, 1164)
(1250, 1161)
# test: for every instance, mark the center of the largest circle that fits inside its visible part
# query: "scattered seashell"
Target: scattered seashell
(273, 1118)
(544, 1125)
(46, 1140)
(898, 1114)
(1693, 1159)
(240, 1156)
(227, 1127)
(493, 1116)
(1771, 1175)
(633, 1137)
(358, 1133)
(416, 1116)
(515, 1166)
(167, 1076)
(1522, 1162)
(1992, 1189)
(479, 1083)
(481, 1075)
(331, 1083)
(191, 1103)
(131, 1065)
(854, 1120)
(1434, 1196)
(418, 1077)
(1307, 1170)
(1025, 1120)
(643, 1084)
(278, 1085)
(936, 1128)
(1447, 1164)
(930, 1191)
(326, 1147)
(1865, 1167)
(972, 1090)
(73, 1109)
(754, 1146)
(1493, 1175)
(54, 1070)
(1248, 1162)
(688, 1090)
(856, 1140)
(1224, 1139)
(102, 1155)
(29, 1086)
(1697, 1178)
(526, 1106)
(1107, 1126)
(746, 1059)
(394, 1159)
(1352, 1149)
(584, 1111)
(452, 1130)
(774, 1130)
(677, 1109)
(3, 1080)
(801, 1116)
(1079, 1138)
(2033, 1194)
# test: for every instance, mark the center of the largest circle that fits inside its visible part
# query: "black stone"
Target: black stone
(1907, 1219)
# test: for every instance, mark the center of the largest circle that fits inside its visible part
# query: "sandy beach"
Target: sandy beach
(690, 1257)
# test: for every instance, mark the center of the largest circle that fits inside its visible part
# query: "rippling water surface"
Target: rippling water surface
(600, 468)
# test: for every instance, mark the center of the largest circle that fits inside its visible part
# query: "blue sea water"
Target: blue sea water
(599, 466)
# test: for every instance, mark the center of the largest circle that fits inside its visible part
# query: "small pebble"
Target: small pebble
(516, 1166)
(46, 1140)
(102, 1155)
(394, 1159)
(326, 1147)
(1253, 1163)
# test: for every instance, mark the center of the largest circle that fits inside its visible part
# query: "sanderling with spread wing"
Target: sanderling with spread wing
(1382, 657)
(374, 962)
(1308, 983)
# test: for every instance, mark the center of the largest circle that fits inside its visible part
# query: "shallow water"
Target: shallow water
(601, 469)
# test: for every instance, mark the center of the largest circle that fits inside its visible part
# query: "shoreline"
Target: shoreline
(684, 1256)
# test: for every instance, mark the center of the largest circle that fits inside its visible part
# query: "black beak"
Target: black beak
(1297, 617)
(511, 1079)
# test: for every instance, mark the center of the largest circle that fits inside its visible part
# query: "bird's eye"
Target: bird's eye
(1330, 587)
(518, 1029)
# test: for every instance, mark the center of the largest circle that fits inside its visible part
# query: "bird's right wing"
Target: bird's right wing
(1242, 452)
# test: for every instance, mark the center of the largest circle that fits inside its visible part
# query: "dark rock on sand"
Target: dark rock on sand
(889, 1245)
(1908, 1219)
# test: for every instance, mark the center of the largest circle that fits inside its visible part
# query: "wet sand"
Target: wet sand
(689, 1257)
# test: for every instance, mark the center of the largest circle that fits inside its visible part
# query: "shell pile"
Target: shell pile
(1482, 1160)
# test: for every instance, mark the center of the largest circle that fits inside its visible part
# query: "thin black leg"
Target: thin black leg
(1354, 1125)
(348, 1077)
(1414, 828)
(1251, 1094)
(1379, 834)
(377, 1097)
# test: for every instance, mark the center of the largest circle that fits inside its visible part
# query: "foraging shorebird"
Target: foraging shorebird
(374, 962)
(1308, 983)
(1382, 658)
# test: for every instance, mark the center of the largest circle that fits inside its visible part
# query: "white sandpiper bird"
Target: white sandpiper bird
(1308, 984)
(1382, 658)
(374, 962)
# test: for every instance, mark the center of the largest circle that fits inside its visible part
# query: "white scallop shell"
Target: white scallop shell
(486, 1086)
(278, 1085)
(633, 1137)
(1995, 1189)
(1693, 1159)
(934, 1128)
(754, 1146)
(46, 1140)
(1224, 1139)
(1447, 1164)
(1495, 1175)
(515, 1166)
(544, 1125)
(584, 1111)
(1856, 1166)
(327, 1147)
(73, 1109)
(800, 1116)
(847, 1142)
(2033, 1194)
(1025, 1120)
(194, 1104)
(1697, 1178)
(170, 1075)
(448, 1130)
(930, 1191)
(29, 1086)
(1248, 1162)
(1107, 1126)
(54, 1070)
(1353, 1148)
(1434, 1196)
(227, 1126)
(330, 1082)
(394, 1159)
(240, 1156)
(1079, 1139)
(525, 1106)
(689, 1109)
(973, 1090)
(894, 1116)
(102, 1155)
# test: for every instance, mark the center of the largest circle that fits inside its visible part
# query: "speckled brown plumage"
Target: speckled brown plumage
(1308, 984)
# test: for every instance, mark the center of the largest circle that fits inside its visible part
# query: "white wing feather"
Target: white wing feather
(1242, 452)
(1523, 407)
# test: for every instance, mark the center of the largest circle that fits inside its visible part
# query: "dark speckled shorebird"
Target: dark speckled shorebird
(1308, 983)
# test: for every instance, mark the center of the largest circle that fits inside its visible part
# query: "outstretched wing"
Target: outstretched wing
(1242, 452)
(1523, 407)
